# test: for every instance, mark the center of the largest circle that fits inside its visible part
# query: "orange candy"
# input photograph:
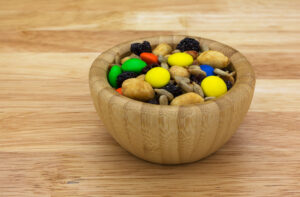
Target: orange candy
(119, 90)
(149, 58)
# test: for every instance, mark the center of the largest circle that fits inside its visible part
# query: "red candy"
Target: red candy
(149, 58)
(119, 90)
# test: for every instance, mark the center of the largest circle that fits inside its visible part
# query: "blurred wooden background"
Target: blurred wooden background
(52, 142)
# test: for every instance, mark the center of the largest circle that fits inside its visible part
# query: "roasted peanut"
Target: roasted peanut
(124, 59)
(179, 71)
(162, 49)
(142, 77)
(187, 98)
(215, 59)
(137, 89)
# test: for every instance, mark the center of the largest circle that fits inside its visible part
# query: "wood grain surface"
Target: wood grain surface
(52, 142)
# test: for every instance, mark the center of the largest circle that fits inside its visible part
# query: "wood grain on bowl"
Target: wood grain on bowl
(171, 134)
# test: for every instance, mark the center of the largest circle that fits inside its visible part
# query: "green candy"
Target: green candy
(134, 65)
(113, 75)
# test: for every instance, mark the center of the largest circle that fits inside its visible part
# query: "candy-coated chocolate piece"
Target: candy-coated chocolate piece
(158, 77)
(113, 74)
(180, 59)
(213, 86)
(119, 90)
(149, 58)
(209, 70)
(134, 65)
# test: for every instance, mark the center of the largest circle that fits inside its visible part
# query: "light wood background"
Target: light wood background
(52, 142)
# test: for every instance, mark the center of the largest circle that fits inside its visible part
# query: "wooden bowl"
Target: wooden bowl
(171, 134)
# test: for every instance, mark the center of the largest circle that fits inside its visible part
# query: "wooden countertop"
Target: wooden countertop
(52, 142)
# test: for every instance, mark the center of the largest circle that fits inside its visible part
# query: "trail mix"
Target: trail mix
(186, 75)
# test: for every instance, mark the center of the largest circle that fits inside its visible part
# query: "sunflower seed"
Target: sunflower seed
(117, 59)
(204, 48)
(197, 89)
(197, 72)
(186, 87)
(221, 72)
(162, 59)
(176, 51)
(178, 79)
(164, 65)
(209, 98)
(164, 92)
(163, 100)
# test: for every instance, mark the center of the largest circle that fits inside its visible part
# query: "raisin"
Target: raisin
(125, 75)
(154, 100)
(228, 84)
(197, 78)
(138, 48)
(175, 90)
(188, 44)
(148, 67)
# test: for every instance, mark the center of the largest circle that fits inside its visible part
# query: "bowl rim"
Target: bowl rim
(245, 76)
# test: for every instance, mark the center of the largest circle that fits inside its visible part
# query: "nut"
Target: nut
(186, 87)
(233, 73)
(162, 59)
(167, 56)
(204, 48)
(187, 98)
(197, 71)
(142, 77)
(197, 89)
(215, 59)
(209, 98)
(132, 55)
(164, 65)
(124, 59)
(194, 54)
(176, 51)
(179, 71)
(178, 79)
(117, 59)
(196, 62)
(162, 49)
(163, 100)
(221, 72)
(137, 89)
(164, 92)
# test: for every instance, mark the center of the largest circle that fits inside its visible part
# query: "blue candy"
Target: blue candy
(208, 69)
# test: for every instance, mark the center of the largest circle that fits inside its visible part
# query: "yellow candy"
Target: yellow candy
(180, 59)
(158, 77)
(213, 86)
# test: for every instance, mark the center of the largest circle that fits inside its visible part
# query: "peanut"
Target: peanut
(187, 98)
(162, 49)
(214, 58)
(137, 89)
(179, 71)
